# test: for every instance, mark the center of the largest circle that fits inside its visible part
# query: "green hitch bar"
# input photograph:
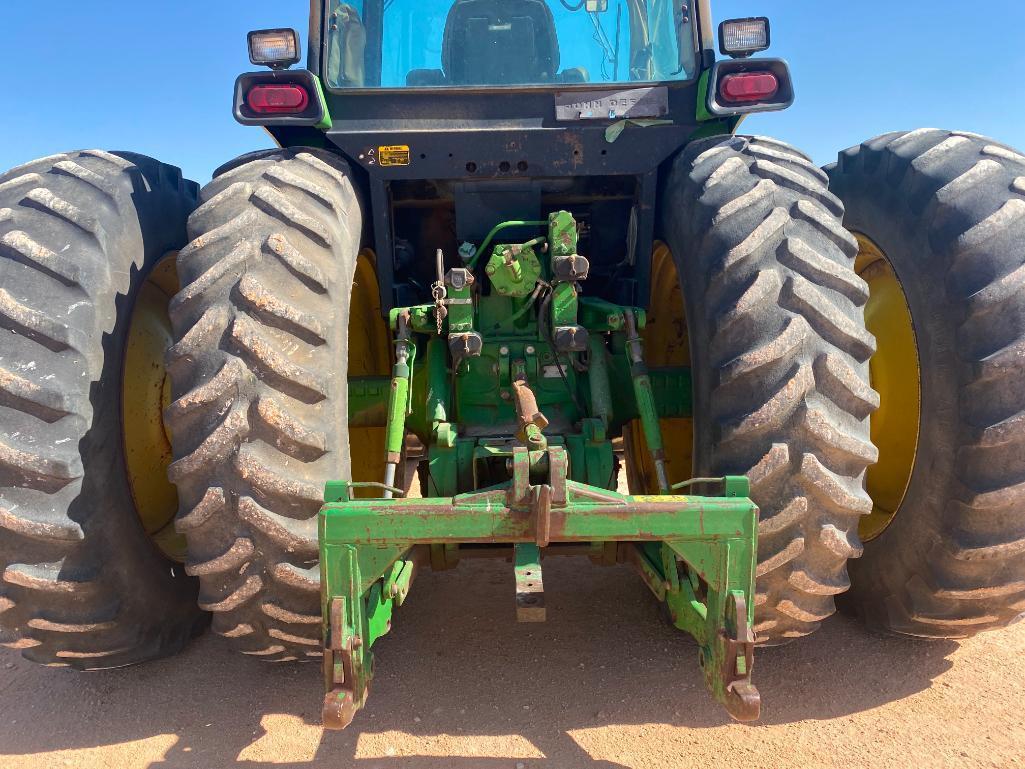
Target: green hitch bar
(696, 553)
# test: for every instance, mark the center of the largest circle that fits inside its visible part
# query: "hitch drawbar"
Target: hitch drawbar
(696, 553)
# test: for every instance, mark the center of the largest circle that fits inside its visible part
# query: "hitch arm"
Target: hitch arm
(704, 552)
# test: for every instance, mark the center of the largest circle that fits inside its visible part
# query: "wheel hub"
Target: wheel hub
(896, 375)
(146, 392)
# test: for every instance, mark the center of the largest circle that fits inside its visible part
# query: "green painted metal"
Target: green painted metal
(326, 123)
(671, 387)
(472, 254)
(598, 315)
(644, 396)
(703, 115)
(598, 378)
(460, 317)
(484, 516)
(519, 426)
(530, 602)
(368, 401)
(399, 404)
(514, 270)
(562, 234)
(436, 410)
(711, 539)
(564, 305)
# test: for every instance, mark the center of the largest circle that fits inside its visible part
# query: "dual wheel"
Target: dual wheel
(857, 342)
(276, 308)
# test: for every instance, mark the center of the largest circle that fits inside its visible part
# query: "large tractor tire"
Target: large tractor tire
(779, 356)
(940, 218)
(85, 510)
(259, 418)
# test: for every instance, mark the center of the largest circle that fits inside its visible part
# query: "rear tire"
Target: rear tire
(259, 420)
(948, 211)
(779, 357)
(82, 584)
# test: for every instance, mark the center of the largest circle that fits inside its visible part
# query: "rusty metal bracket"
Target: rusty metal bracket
(542, 512)
(743, 701)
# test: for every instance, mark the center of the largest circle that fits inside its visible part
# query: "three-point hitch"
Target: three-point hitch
(517, 409)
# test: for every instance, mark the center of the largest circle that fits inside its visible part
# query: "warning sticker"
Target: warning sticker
(397, 155)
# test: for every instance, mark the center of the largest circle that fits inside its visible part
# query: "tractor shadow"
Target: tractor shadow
(459, 671)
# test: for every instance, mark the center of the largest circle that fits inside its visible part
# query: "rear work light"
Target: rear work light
(748, 87)
(741, 38)
(275, 99)
(275, 48)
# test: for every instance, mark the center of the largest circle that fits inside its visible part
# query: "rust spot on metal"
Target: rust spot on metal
(339, 709)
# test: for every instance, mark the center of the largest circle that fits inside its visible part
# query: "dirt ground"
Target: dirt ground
(602, 684)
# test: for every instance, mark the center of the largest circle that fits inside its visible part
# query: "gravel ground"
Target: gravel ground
(602, 684)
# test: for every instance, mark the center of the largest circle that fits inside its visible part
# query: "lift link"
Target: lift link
(645, 397)
(398, 401)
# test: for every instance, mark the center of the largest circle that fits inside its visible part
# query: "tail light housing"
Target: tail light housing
(742, 86)
(291, 97)
(748, 87)
(278, 99)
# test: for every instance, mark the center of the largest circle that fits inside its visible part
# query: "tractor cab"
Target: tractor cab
(494, 43)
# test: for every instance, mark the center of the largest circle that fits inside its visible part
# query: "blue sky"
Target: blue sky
(157, 77)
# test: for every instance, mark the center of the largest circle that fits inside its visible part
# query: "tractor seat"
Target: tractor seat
(346, 55)
(496, 42)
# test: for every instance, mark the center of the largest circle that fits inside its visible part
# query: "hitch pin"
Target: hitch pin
(398, 403)
(645, 398)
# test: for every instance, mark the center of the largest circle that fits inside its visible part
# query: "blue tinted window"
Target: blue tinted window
(467, 43)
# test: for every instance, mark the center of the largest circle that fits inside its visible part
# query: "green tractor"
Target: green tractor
(515, 255)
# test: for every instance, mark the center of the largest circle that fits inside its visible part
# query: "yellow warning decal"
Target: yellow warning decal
(397, 155)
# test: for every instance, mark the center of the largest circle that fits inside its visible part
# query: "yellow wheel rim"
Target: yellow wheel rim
(369, 355)
(666, 343)
(896, 375)
(145, 393)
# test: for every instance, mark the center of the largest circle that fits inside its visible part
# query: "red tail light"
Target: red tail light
(278, 99)
(748, 87)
